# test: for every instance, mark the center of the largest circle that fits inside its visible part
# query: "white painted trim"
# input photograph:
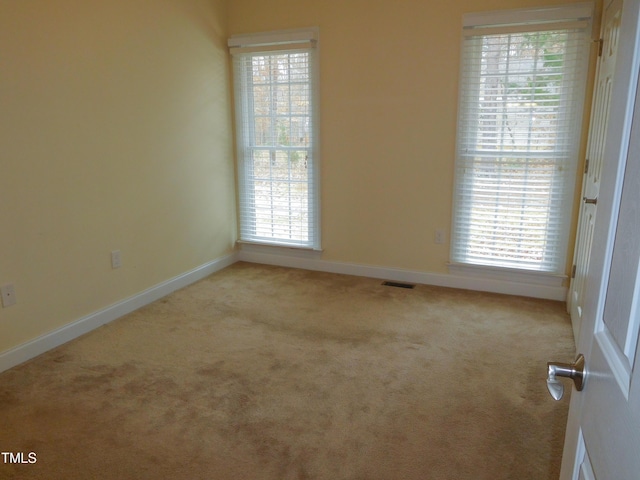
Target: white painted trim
(616, 360)
(279, 249)
(282, 259)
(277, 37)
(523, 16)
(33, 348)
(507, 274)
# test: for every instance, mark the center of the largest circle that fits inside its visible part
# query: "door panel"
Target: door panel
(595, 158)
(609, 419)
(624, 267)
(611, 433)
(586, 471)
(606, 413)
(583, 249)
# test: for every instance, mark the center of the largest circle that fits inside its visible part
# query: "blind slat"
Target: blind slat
(276, 145)
(519, 123)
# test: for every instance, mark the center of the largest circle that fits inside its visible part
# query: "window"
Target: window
(275, 89)
(522, 89)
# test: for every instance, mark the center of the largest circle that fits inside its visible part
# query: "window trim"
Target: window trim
(507, 274)
(283, 41)
(572, 13)
(576, 16)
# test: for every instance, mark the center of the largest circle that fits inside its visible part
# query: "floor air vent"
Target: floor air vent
(398, 285)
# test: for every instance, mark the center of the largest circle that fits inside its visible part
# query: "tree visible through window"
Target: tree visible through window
(278, 194)
(519, 128)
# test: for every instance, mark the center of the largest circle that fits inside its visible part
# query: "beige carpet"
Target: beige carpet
(270, 373)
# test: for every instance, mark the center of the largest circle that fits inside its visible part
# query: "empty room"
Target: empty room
(337, 239)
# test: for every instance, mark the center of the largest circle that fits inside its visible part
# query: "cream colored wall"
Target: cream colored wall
(115, 134)
(388, 95)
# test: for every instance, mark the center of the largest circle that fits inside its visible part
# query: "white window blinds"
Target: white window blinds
(522, 89)
(276, 129)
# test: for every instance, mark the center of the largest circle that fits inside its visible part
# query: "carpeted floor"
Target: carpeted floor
(261, 372)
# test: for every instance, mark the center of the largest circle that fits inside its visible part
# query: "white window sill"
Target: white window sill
(273, 249)
(507, 274)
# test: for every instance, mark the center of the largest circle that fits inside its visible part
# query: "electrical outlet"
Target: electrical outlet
(439, 236)
(116, 259)
(8, 295)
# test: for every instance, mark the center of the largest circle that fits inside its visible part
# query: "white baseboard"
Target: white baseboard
(283, 258)
(269, 256)
(37, 346)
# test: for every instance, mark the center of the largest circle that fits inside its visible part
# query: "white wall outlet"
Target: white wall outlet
(8, 295)
(116, 259)
(439, 236)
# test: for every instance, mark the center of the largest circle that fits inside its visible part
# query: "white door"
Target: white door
(603, 430)
(594, 159)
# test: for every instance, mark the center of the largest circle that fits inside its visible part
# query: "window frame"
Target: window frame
(576, 16)
(276, 43)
